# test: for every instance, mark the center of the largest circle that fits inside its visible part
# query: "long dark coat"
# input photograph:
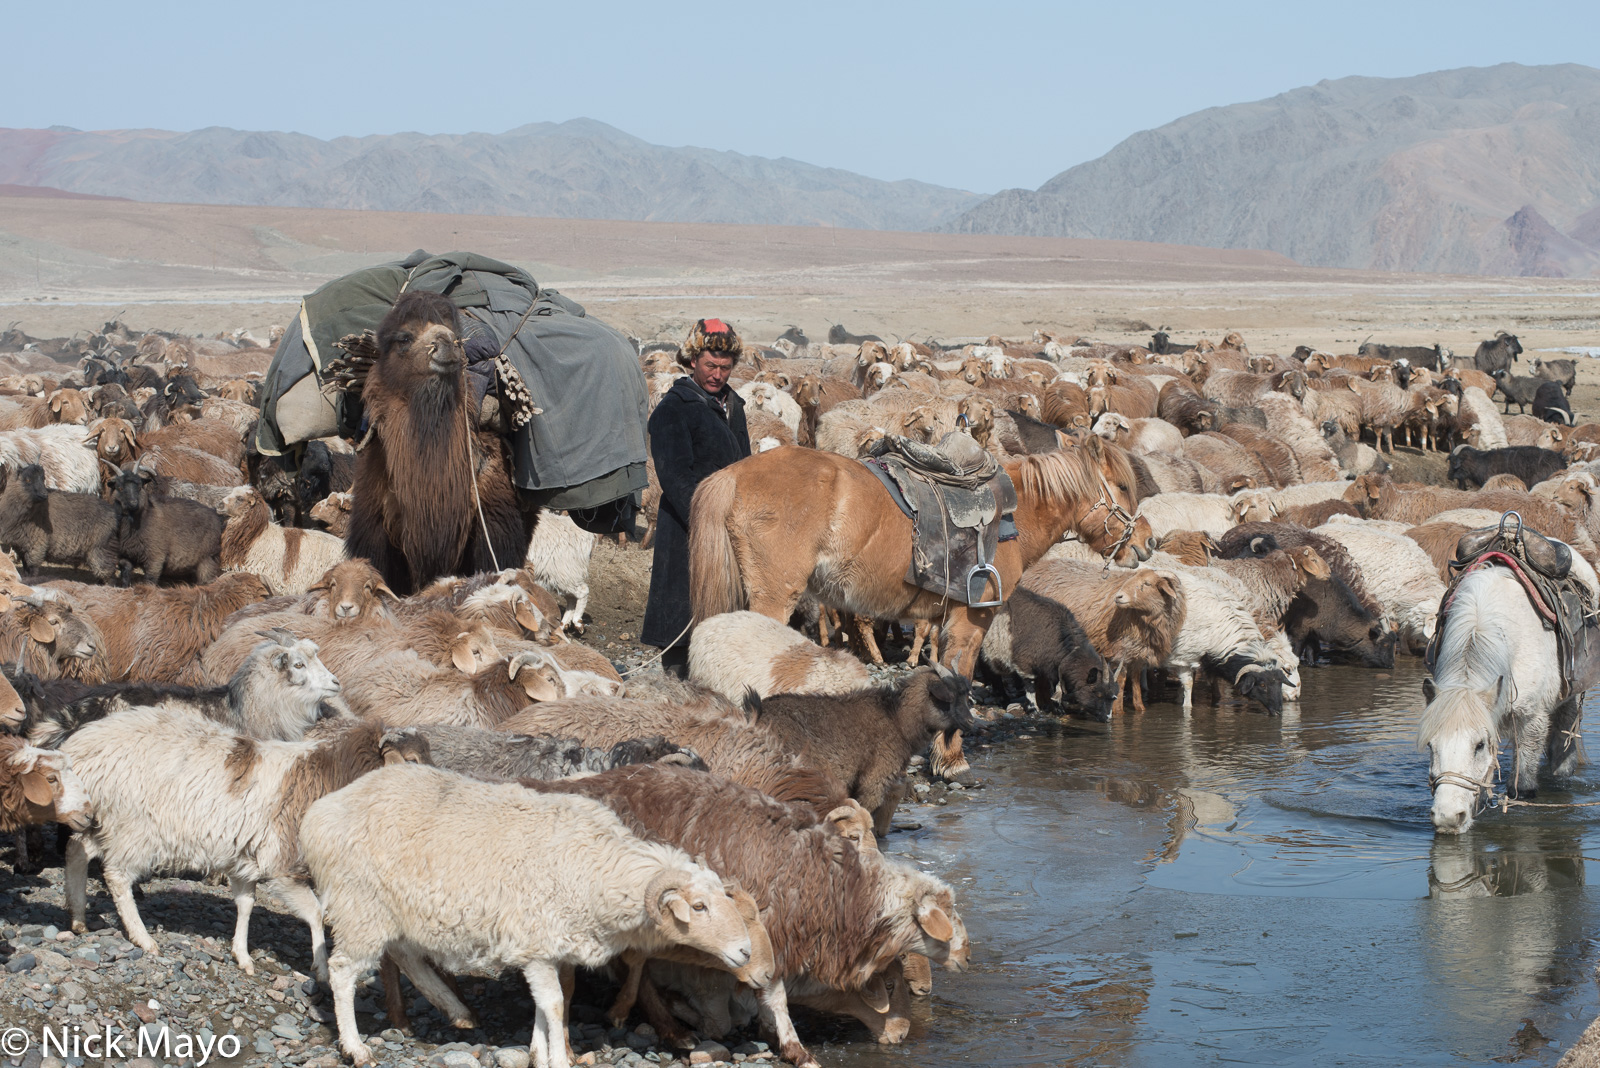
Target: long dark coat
(690, 438)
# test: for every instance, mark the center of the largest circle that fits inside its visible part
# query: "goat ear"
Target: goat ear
(876, 994)
(934, 923)
(383, 588)
(41, 631)
(461, 654)
(36, 788)
(528, 616)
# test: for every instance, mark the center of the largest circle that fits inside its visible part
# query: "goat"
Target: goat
(1550, 404)
(1400, 575)
(558, 555)
(39, 786)
(1562, 372)
(239, 802)
(1516, 389)
(54, 526)
(863, 739)
(165, 534)
(1132, 618)
(1473, 467)
(1037, 637)
(383, 897)
(46, 637)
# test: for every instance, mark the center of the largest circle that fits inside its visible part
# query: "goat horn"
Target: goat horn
(524, 659)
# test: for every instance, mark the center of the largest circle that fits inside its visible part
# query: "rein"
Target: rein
(1113, 511)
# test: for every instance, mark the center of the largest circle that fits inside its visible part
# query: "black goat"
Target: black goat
(1039, 637)
(164, 535)
(1550, 403)
(1470, 468)
(53, 526)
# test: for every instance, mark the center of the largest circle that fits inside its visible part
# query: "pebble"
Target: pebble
(459, 1058)
(709, 1051)
(21, 963)
(512, 1057)
(1185, 934)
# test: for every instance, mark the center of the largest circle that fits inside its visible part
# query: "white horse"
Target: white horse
(1496, 668)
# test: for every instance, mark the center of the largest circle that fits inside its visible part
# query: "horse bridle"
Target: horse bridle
(1113, 511)
(1480, 789)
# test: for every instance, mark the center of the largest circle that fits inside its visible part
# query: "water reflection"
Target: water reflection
(1232, 888)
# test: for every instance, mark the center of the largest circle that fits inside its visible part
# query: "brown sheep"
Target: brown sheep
(816, 394)
(1065, 405)
(206, 435)
(1505, 480)
(192, 465)
(333, 512)
(37, 786)
(114, 441)
(1380, 497)
(1469, 377)
(1275, 458)
(1316, 513)
(157, 634)
(1229, 460)
(51, 640)
(1131, 618)
(1136, 399)
(1192, 547)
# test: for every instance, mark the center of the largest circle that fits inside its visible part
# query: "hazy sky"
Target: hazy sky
(981, 96)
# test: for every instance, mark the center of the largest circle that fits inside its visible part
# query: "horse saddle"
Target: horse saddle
(960, 503)
(1544, 568)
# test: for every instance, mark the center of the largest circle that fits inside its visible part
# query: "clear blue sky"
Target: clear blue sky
(982, 96)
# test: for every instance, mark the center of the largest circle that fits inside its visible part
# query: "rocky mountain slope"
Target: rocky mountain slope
(576, 169)
(1479, 170)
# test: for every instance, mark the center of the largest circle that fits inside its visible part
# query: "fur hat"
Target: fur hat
(710, 335)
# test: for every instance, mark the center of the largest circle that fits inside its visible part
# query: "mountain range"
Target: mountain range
(1480, 170)
(576, 169)
(1488, 170)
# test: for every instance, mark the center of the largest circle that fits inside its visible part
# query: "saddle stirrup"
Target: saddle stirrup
(983, 571)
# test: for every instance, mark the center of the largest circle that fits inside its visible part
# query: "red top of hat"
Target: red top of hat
(715, 326)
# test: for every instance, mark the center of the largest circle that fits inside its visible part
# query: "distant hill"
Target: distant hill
(1491, 170)
(576, 169)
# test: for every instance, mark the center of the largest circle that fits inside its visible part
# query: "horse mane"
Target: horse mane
(1070, 474)
(1476, 645)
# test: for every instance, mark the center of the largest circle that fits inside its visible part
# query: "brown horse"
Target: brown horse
(765, 530)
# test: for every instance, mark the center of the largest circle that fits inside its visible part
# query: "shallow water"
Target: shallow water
(1234, 888)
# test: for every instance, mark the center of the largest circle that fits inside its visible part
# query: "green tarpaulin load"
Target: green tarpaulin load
(587, 448)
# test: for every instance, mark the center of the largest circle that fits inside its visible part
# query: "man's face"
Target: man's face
(711, 370)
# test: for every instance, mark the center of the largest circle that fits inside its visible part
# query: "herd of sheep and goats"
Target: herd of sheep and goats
(452, 784)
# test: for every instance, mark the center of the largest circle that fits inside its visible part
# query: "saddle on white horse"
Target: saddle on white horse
(1544, 568)
(960, 501)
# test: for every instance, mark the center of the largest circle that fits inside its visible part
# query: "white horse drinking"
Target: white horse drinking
(1496, 671)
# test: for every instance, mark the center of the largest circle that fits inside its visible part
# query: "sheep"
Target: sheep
(816, 395)
(1528, 430)
(1477, 410)
(289, 559)
(1192, 547)
(1154, 435)
(765, 397)
(1338, 614)
(1473, 467)
(864, 738)
(165, 534)
(1170, 473)
(835, 919)
(697, 719)
(1400, 574)
(46, 637)
(175, 791)
(157, 634)
(382, 896)
(404, 689)
(202, 435)
(186, 464)
(1550, 404)
(1233, 463)
(1167, 512)
(39, 786)
(1275, 457)
(849, 431)
(1263, 506)
(1353, 457)
(739, 651)
(1274, 579)
(1236, 389)
(333, 512)
(281, 689)
(1379, 497)
(492, 754)
(1132, 618)
(558, 554)
(54, 526)
(114, 440)
(1218, 631)
(1516, 389)
(1288, 422)
(1037, 637)
(1562, 372)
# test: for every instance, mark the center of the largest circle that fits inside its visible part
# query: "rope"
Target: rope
(472, 473)
(635, 670)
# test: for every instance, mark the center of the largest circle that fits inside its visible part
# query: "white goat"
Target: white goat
(288, 559)
(559, 553)
(1210, 512)
(68, 461)
(766, 397)
(1399, 573)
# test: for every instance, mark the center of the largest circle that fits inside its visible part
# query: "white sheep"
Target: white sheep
(766, 397)
(739, 651)
(176, 792)
(550, 881)
(62, 450)
(288, 559)
(1478, 410)
(1265, 505)
(1210, 512)
(1154, 435)
(1218, 628)
(559, 553)
(1399, 573)
(1287, 421)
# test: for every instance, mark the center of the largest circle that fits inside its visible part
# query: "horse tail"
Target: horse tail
(716, 584)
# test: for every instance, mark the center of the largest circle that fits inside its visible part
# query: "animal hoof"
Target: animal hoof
(246, 966)
(79, 927)
(149, 946)
(464, 1023)
(359, 1054)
